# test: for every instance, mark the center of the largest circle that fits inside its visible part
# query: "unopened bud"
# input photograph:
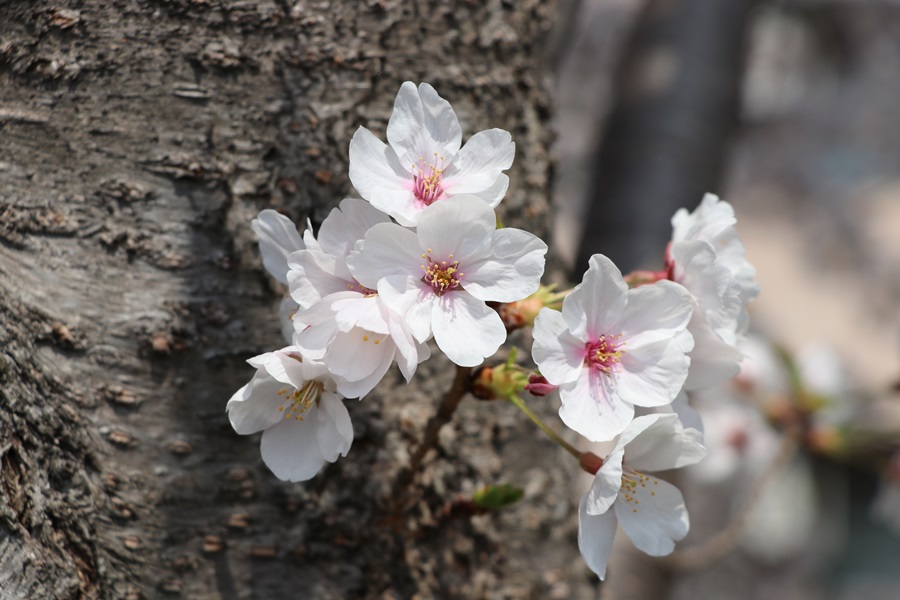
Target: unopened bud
(539, 386)
(522, 313)
(501, 381)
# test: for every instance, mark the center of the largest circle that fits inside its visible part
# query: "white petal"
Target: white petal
(412, 300)
(713, 361)
(354, 355)
(278, 237)
(689, 416)
(480, 162)
(595, 538)
(711, 284)
(558, 354)
(291, 449)
(344, 226)
(296, 371)
(254, 407)
(422, 123)
(378, 175)
(387, 250)
(360, 388)
(409, 352)
(365, 312)
(286, 310)
(652, 374)
(462, 226)
(664, 444)
(597, 302)
(313, 340)
(513, 270)
(494, 194)
(654, 312)
(606, 484)
(309, 237)
(335, 431)
(312, 276)
(466, 329)
(652, 513)
(591, 407)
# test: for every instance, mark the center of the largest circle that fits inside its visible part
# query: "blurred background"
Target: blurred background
(788, 110)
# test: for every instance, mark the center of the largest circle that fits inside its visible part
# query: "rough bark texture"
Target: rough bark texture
(138, 140)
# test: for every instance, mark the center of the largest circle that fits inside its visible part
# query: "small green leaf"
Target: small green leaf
(494, 497)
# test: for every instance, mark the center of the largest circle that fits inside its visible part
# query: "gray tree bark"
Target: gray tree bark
(139, 138)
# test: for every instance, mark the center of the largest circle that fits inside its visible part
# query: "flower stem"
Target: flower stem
(544, 427)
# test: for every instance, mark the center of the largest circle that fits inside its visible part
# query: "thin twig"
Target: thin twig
(722, 543)
(449, 403)
(545, 428)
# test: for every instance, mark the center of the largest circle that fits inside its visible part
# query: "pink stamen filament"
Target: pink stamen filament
(428, 180)
(604, 354)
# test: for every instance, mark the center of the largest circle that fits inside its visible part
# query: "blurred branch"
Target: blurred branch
(666, 139)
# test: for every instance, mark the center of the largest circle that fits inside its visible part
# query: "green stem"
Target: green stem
(537, 421)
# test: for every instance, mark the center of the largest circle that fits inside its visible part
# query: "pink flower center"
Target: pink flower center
(427, 181)
(442, 276)
(604, 353)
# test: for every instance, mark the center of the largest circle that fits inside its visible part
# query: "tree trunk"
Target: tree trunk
(139, 140)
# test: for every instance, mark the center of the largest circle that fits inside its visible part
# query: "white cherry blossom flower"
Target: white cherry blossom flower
(322, 270)
(423, 162)
(611, 349)
(707, 257)
(341, 322)
(293, 402)
(713, 221)
(651, 511)
(357, 337)
(439, 277)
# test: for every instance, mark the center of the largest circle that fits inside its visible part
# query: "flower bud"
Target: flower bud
(539, 386)
(499, 382)
(522, 312)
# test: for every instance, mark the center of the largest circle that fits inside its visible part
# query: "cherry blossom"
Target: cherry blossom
(423, 162)
(707, 258)
(651, 511)
(611, 349)
(321, 270)
(358, 337)
(439, 277)
(341, 322)
(293, 402)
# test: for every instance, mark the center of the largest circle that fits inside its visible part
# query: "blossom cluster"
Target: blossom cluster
(420, 257)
